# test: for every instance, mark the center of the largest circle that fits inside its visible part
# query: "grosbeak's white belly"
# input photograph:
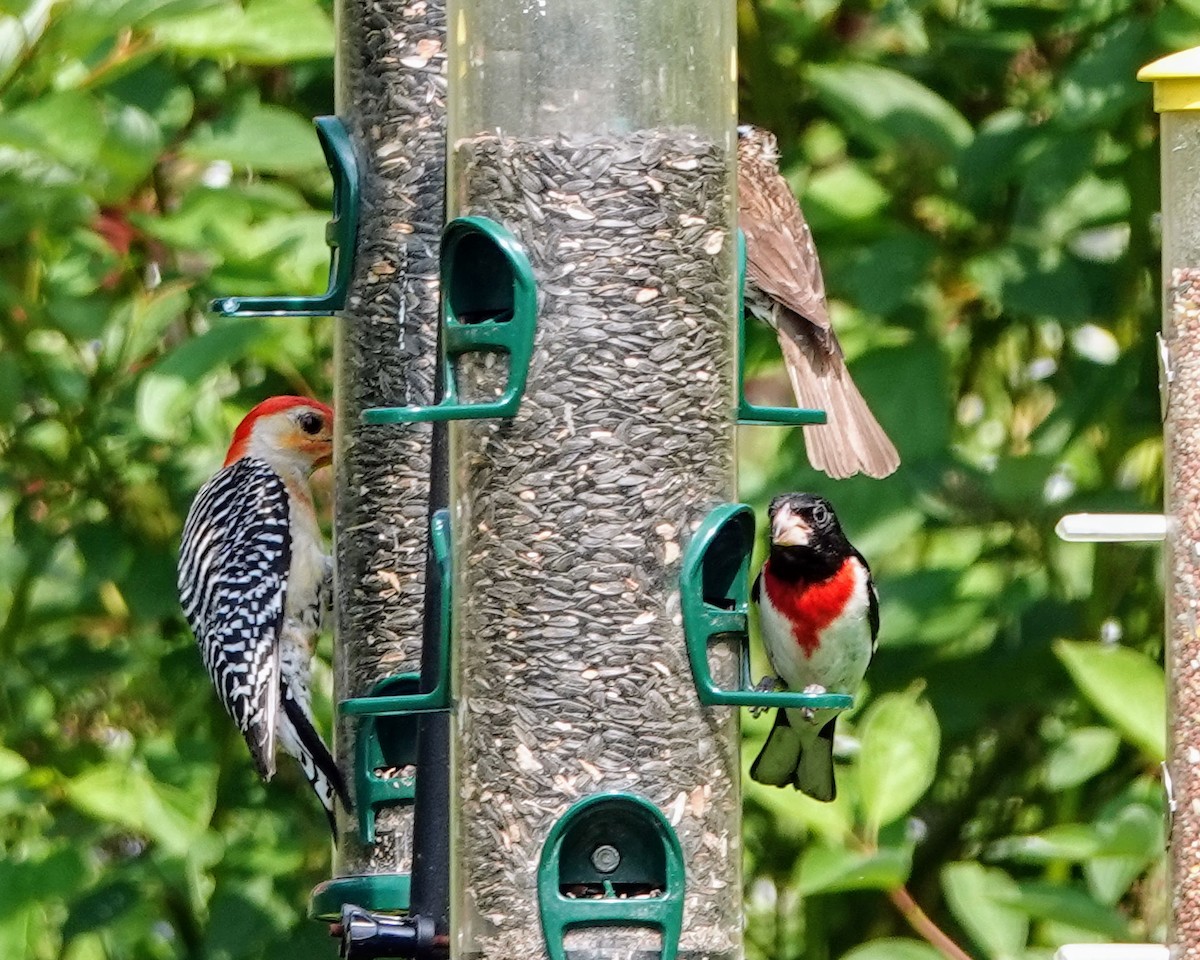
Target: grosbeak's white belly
(818, 634)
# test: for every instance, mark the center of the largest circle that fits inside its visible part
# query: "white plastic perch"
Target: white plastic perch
(1112, 951)
(1112, 527)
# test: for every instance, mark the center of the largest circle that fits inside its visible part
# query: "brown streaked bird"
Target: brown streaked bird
(785, 288)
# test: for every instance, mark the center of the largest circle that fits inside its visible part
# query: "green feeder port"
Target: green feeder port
(340, 234)
(387, 733)
(489, 304)
(404, 697)
(385, 764)
(386, 754)
(715, 596)
(753, 414)
(383, 893)
(611, 860)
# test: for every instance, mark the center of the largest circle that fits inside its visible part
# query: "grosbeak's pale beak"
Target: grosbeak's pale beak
(785, 288)
(819, 618)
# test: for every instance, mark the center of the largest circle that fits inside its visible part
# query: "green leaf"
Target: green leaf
(162, 405)
(889, 109)
(20, 32)
(130, 149)
(138, 324)
(126, 795)
(1134, 833)
(240, 925)
(1069, 841)
(1095, 88)
(1130, 833)
(909, 616)
(262, 32)
(981, 900)
(1125, 686)
(1044, 901)
(826, 869)
(838, 197)
(893, 948)
(1080, 755)
(227, 340)
(907, 387)
(12, 764)
(888, 273)
(67, 126)
(899, 756)
(263, 137)
(100, 907)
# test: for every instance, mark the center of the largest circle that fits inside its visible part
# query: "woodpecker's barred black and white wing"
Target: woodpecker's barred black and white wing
(233, 570)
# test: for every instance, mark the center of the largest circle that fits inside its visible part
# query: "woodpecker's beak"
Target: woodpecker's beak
(318, 449)
(325, 456)
(789, 529)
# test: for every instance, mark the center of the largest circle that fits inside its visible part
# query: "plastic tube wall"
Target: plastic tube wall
(391, 95)
(1180, 146)
(601, 134)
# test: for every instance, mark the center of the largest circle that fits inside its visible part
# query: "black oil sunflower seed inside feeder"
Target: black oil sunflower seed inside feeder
(600, 136)
(391, 98)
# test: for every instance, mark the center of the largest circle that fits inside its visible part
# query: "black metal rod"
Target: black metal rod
(431, 815)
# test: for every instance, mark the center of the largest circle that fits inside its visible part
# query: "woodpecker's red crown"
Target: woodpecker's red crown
(293, 429)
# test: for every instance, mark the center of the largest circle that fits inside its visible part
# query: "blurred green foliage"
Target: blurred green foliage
(981, 178)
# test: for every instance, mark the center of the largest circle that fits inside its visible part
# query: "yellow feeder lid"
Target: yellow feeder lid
(1176, 79)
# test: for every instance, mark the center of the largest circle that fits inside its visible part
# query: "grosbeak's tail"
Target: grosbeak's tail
(780, 756)
(814, 773)
(786, 760)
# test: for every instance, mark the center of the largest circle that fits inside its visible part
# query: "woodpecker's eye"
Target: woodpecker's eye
(311, 423)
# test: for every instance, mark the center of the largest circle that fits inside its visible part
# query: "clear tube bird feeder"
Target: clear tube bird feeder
(601, 136)
(391, 97)
(1177, 98)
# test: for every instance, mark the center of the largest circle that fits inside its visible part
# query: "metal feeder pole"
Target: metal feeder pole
(390, 95)
(597, 800)
(1177, 98)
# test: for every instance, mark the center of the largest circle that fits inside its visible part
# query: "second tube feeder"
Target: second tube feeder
(597, 800)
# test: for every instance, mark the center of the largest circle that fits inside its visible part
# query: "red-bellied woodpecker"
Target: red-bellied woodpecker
(254, 581)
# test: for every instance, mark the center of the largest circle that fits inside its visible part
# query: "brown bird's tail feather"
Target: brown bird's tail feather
(851, 441)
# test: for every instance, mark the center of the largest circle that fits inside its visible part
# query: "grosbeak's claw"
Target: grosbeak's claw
(766, 685)
(813, 689)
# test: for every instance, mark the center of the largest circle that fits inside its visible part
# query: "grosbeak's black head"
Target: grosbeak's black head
(804, 528)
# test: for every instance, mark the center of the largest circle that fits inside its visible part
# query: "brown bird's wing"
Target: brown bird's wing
(781, 258)
(852, 441)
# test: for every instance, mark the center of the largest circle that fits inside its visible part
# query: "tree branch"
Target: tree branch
(919, 920)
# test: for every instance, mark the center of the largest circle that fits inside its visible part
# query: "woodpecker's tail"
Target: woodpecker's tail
(299, 738)
(786, 759)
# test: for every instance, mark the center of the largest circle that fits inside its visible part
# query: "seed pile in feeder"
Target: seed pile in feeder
(1183, 503)
(393, 99)
(573, 672)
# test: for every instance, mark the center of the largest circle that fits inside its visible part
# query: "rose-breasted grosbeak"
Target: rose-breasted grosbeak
(785, 288)
(819, 617)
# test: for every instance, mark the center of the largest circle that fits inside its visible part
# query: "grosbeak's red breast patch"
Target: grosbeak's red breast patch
(811, 607)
